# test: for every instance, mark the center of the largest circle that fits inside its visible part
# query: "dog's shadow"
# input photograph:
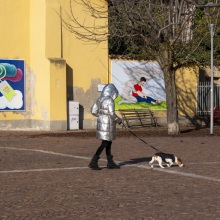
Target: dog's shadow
(135, 161)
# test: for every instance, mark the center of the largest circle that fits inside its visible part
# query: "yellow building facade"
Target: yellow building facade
(186, 89)
(58, 67)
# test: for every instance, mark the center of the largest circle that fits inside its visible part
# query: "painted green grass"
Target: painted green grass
(140, 105)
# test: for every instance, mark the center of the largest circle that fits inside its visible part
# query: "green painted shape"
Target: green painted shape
(140, 105)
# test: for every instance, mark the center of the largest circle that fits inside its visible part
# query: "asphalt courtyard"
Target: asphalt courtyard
(45, 176)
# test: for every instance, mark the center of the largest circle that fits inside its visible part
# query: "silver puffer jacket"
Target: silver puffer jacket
(104, 109)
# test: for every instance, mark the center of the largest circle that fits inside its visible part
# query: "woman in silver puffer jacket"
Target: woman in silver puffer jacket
(104, 109)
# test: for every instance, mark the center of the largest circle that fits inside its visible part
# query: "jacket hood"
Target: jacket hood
(110, 90)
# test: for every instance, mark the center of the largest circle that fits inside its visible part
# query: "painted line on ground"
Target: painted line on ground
(87, 158)
(42, 170)
(46, 152)
(176, 172)
(205, 163)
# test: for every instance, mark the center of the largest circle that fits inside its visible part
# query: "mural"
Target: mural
(127, 77)
(12, 85)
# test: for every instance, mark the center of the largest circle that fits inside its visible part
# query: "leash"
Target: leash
(139, 138)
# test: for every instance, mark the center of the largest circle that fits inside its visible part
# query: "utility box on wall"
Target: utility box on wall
(73, 115)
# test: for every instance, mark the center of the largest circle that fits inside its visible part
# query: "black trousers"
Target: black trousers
(104, 145)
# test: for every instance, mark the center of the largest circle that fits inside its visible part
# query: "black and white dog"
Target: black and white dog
(169, 159)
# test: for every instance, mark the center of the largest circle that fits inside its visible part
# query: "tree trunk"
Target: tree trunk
(172, 111)
(166, 63)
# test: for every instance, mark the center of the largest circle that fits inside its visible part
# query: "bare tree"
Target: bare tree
(171, 32)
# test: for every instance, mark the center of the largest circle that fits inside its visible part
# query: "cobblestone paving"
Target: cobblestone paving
(44, 176)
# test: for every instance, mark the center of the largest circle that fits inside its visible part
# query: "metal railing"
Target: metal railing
(203, 98)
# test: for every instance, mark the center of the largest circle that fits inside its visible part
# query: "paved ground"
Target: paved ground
(44, 175)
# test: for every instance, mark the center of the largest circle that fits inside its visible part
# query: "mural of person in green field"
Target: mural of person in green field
(140, 95)
(140, 85)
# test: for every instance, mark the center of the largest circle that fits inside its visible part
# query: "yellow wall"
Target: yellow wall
(58, 66)
(14, 37)
(89, 60)
(39, 64)
(14, 23)
(58, 107)
(186, 81)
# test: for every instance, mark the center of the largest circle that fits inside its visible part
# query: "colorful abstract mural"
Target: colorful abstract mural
(12, 84)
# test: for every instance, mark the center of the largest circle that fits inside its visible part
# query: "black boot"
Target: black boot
(94, 163)
(111, 164)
